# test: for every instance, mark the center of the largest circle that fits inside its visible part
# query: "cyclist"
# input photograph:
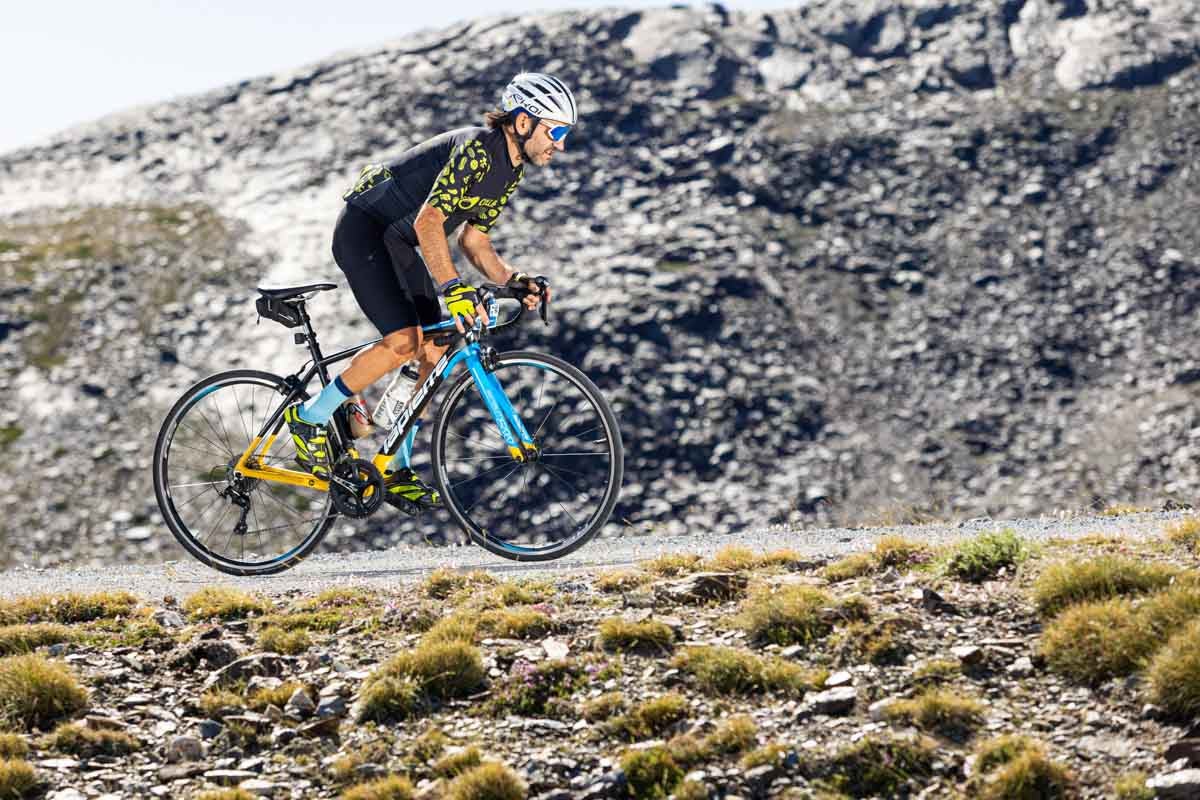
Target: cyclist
(461, 176)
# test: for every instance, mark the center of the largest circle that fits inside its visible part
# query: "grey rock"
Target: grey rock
(184, 748)
(332, 707)
(244, 668)
(228, 777)
(300, 705)
(1187, 748)
(968, 654)
(701, 587)
(209, 729)
(1179, 785)
(834, 702)
(1021, 668)
(169, 618)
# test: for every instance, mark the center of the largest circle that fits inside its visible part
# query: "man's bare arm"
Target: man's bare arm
(477, 246)
(431, 235)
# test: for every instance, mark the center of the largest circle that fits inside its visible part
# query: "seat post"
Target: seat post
(310, 335)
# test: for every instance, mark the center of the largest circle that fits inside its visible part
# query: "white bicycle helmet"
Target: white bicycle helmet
(542, 96)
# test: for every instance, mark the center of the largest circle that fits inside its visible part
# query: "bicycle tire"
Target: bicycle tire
(215, 442)
(459, 504)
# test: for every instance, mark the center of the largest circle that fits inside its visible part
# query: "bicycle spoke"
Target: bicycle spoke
(242, 415)
(189, 485)
(562, 480)
(480, 475)
(199, 435)
(481, 494)
(546, 418)
(580, 453)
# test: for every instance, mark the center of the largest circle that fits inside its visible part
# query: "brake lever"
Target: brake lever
(544, 306)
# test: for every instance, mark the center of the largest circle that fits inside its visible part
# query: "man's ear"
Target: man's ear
(524, 118)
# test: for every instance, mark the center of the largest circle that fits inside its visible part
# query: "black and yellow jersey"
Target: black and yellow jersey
(465, 173)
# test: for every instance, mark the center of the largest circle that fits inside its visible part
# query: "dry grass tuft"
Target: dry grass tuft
(648, 636)
(618, 581)
(457, 762)
(223, 602)
(406, 685)
(1132, 786)
(12, 746)
(789, 615)
(17, 779)
(733, 735)
(727, 670)
(880, 766)
(67, 608)
(520, 623)
(488, 781)
(773, 754)
(520, 593)
(443, 583)
(1030, 775)
(276, 640)
(939, 711)
(225, 794)
(1066, 583)
(16, 639)
(457, 627)
(670, 565)
(349, 598)
(850, 567)
(732, 558)
(602, 707)
(1174, 674)
(650, 772)
(393, 787)
(1185, 533)
(873, 642)
(86, 742)
(538, 690)
(36, 693)
(937, 670)
(651, 717)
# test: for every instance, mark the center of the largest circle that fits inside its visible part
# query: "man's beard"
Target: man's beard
(527, 157)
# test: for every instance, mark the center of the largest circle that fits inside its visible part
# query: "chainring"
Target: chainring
(356, 488)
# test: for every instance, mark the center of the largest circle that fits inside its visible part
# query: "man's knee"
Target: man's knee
(403, 344)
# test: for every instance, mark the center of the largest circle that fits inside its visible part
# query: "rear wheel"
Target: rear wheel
(546, 507)
(238, 525)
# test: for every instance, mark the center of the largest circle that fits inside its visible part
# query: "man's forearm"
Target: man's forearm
(485, 258)
(436, 251)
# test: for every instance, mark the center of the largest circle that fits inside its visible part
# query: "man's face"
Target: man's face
(540, 147)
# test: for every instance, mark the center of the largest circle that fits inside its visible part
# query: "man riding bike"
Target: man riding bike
(464, 175)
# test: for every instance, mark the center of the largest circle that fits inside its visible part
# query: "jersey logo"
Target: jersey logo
(468, 202)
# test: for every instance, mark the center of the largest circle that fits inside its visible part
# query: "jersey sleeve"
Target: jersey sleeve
(467, 165)
(487, 217)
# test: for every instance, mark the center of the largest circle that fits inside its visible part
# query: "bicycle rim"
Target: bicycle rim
(541, 509)
(203, 501)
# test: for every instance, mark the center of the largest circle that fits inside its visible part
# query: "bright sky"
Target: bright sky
(70, 61)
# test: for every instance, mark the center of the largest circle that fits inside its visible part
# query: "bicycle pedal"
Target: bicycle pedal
(404, 505)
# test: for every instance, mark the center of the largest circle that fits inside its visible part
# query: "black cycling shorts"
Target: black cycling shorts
(390, 281)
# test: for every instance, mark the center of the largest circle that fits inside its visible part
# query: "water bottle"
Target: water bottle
(396, 395)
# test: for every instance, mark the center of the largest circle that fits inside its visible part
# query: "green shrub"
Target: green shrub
(652, 717)
(1174, 674)
(773, 754)
(852, 566)
(522, 623)
(223, 602)
(982, 557)
(538, 690)
(650, 773)
(488, 781)
(1000, 750)
(727, 670)
(453, 628)
(618, 634)
(1067, 583)
(36, 692)
(939, 711)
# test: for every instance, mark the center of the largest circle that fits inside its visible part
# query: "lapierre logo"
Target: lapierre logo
(417, 400)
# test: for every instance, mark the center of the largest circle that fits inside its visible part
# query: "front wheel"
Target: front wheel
(237, 524)
(545, 507)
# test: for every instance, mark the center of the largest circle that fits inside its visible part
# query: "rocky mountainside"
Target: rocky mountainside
(829, 261)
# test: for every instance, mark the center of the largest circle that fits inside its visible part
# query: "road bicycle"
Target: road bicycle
(526, 452)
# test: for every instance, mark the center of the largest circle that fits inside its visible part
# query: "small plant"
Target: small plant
(522, 623)
(36, 692)
(17, 779)
(939, 711)
(901, 553)
(603, 707)
(12, 746)
(457, 627)
(225, 794)
(1121, 510)
(405, 685)
(443, 582)
(488, 781)
(1067, 583)
(430, 745)
(652, 717)
(326, 620)
(457, 762)
(687, 749)
(880, 766)
(67, 608)
(222, 602)
(726, 670)
(648, 636)
(1030, 775)
(621, 581)
(982, 558)
(393, 787)
(670, 565)
(874, 642)
(356, 598)
(85, 742)
(732, 736)
(1000, 750)
(1174, 674)
(520, 593)
(690, 790)
(1132, 786)
(773, 754)
(540, 689)
(782, 560)
(276, 640)
(790, 615)
(15, 639)
(937, 670)
(1185, 533)
(852, 566)
(732, 558)
(650, 773)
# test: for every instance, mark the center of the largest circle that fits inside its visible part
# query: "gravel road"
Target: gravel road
(390, 568)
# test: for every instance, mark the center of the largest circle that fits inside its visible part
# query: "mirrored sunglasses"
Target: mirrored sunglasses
(557, 132)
